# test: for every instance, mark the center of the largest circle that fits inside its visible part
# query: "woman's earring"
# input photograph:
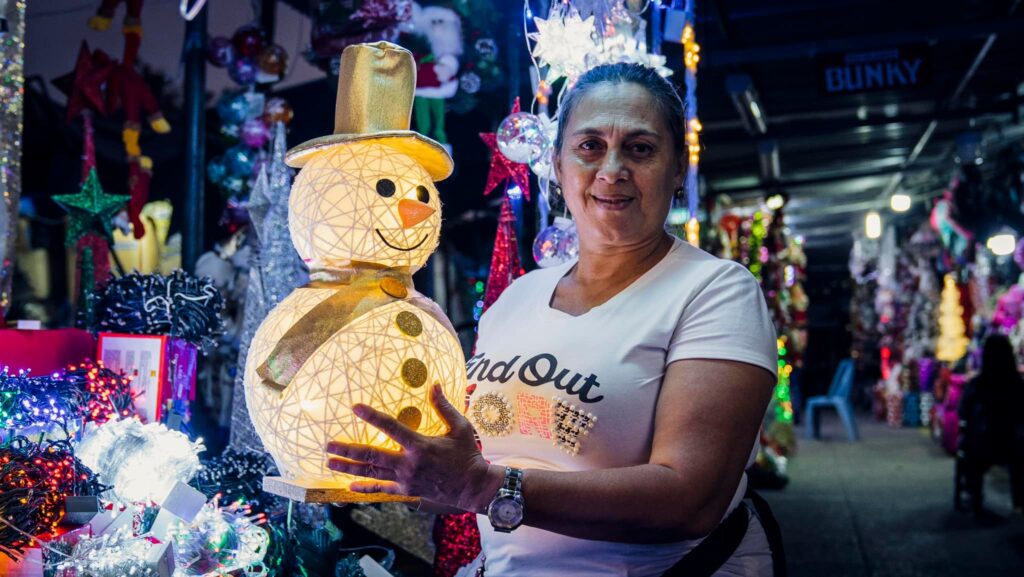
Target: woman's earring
(558, 189)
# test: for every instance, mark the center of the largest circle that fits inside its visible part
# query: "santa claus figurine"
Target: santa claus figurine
(436, 79)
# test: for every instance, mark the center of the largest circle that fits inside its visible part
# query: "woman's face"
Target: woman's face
(617, 166)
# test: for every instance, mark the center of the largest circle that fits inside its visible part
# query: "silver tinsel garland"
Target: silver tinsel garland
(276, 270)
(12, 83)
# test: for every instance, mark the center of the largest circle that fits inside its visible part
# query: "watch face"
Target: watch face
(506, 512)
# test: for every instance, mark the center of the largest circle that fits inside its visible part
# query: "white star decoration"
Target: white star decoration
(563, 44)
(570, 46)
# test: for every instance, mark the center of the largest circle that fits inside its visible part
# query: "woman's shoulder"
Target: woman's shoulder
(697, 267)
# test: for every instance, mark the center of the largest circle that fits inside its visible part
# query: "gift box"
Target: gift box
(163, 370)
(44, 351)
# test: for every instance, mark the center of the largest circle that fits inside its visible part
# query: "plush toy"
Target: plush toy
(436, 79)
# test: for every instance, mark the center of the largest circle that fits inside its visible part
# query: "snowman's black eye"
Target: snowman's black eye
(385, 188)
(422, 194)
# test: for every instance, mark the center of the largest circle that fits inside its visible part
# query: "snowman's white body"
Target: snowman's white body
(362, 362)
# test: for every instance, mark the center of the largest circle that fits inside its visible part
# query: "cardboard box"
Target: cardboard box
(164, 369)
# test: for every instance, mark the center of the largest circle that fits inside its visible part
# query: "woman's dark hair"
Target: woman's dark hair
(998, 364)
(664, 94)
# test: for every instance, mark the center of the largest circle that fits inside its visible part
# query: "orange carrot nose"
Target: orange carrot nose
(413, 212)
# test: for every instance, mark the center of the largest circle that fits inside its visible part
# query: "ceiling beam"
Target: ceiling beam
(793, 182)
(831, 126)
(803, 50)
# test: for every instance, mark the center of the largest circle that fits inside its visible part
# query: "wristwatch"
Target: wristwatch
(506, 509)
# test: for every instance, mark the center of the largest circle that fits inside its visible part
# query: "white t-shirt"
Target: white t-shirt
(564, 393)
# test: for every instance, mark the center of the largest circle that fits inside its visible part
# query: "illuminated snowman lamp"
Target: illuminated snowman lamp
(363, 214)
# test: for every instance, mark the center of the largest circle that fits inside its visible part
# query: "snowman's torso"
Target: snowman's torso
(387, 358)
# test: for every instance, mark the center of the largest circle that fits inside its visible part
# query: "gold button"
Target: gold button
(410, 417)
(409, 323)
(414, 373)
(394, 287)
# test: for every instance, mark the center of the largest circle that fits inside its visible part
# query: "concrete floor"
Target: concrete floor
(883, 507)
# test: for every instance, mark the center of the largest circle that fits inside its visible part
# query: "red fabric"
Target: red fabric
(426, 74)
(45, 352)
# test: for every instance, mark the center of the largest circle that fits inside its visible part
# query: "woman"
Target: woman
(992, 426)
(618, 398)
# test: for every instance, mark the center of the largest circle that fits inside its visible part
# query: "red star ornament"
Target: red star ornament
(502, 168)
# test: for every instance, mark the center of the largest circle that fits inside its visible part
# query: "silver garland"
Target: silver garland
(276, 270)
(12, 82)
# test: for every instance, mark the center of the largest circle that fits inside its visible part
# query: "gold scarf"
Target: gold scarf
(357, 290)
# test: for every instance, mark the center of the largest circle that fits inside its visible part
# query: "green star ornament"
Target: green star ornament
(90, 210)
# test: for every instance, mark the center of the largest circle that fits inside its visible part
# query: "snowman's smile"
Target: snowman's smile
(403, 249)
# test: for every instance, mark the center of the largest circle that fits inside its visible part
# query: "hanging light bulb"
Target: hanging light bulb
(1002, 244)
(900, 202)
(873, 225)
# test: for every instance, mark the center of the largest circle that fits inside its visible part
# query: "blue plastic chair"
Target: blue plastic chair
(838, 397)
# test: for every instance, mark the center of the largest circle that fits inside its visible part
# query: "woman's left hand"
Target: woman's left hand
(447, 469)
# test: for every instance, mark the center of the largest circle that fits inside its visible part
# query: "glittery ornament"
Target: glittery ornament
(503, 169)
(469, 82)
(216, 170)
(486, 47)
(248, 41)
(232, 108)
(556, 244)
(240, 159)
(220, 52)
(492, 415)
(273, 60)
(277, 110)
(457, 539)
(90, 210)
(243, 71)
(505, 266)
(255, 133)
(522, 138)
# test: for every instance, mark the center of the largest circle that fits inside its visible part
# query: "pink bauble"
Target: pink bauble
(254, 133)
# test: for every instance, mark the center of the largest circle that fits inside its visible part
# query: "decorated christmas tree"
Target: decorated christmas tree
(952, 343)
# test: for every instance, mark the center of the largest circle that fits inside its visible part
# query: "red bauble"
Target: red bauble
(248, 41)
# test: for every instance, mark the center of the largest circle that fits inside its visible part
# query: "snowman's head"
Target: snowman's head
(365, 202)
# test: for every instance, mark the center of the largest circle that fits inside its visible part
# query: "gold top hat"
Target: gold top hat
(376, 87)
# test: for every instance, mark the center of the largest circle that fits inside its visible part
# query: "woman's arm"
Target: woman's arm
(707, 417)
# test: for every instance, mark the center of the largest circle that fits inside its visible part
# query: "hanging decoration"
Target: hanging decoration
(12, 47)
(338, 24)
(567, 43)
(364, 213)
(556, 244)
(248, 58)
(503, 169)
